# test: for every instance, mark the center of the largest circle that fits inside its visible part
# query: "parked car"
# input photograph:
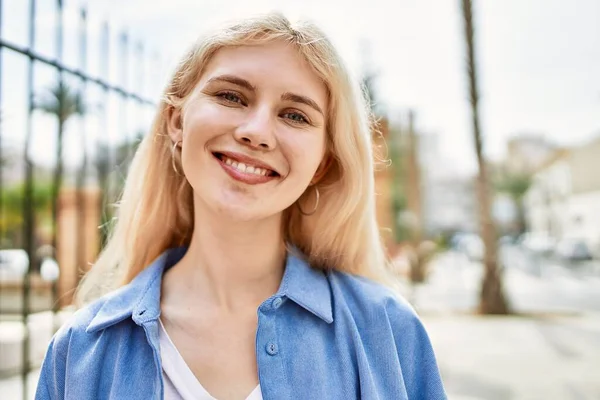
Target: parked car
(14, 264)
(470, 245)
(573, 249)
(538, 243)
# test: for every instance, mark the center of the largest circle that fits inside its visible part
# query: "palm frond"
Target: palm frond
(62, 101)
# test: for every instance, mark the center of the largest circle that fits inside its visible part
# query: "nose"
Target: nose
(257, 131)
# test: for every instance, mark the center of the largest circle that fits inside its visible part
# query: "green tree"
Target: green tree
(492, 299)
(63, 102)
(398, 182)
(12, 201)
(515, 185)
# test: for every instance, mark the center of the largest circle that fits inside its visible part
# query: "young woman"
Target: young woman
(244, 261)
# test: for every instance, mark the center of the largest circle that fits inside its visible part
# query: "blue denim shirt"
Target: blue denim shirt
(323, 335)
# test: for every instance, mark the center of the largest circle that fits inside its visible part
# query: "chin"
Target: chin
(243, 213)
(239, 208)
(236, 202)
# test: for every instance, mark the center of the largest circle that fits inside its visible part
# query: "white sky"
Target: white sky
(539, 61)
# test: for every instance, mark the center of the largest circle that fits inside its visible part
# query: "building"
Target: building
(526, 153)
(79, 238)
(451, 205)
(449, 197)
(563, 201)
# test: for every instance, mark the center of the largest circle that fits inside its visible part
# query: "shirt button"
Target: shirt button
(272, 349)
(277, 303)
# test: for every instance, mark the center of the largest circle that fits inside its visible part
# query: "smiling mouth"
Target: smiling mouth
(246, 168)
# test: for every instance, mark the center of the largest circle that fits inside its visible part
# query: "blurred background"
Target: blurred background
(488, 114)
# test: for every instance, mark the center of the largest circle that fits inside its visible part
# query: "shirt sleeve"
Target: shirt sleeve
(420, 370)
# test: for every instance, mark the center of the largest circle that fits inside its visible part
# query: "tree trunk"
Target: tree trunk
(417, 273)
(521, 222)
(56, 187)
(492, 299)
(80, 218)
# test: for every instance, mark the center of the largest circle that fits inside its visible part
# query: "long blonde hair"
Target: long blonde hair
(156, 209)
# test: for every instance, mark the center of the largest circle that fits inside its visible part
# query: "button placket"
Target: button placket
(270, 351)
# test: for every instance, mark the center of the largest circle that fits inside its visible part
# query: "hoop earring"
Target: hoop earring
(315, 207)
(173, 158)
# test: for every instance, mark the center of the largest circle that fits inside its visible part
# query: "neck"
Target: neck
(230, 264)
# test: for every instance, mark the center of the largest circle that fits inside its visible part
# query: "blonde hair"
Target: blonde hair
(341, 235)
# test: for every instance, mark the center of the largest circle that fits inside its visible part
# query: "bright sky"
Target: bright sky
(539, 60)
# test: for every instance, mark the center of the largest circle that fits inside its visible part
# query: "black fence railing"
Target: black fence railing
(33, 226)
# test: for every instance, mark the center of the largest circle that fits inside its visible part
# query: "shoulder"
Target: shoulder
(363, 294)
(75, 335)
(66, 345)
(75, 327)
(99, 335)
(385, 321)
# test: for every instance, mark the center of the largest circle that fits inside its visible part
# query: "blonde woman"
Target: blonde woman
(244, 261)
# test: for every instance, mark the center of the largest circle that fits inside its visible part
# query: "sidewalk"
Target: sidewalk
(551, 351)
(506, 358)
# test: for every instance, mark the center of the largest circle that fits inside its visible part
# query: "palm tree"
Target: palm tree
(414, 201)
(492, 299)
(63, 102)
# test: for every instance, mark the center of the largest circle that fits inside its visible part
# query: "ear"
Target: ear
(323, 168)
(174, 124)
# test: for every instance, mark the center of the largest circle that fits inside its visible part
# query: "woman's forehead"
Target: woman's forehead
(274, 64)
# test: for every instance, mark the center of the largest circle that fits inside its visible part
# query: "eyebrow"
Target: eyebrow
(296, 98)
(234, 80)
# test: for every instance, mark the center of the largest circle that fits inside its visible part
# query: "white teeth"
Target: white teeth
(248, 169)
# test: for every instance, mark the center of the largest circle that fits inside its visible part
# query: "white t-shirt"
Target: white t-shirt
(180, 381)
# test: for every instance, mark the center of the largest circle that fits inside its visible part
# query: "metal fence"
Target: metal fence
(35, 196)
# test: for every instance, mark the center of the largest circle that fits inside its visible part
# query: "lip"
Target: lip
(247, 178)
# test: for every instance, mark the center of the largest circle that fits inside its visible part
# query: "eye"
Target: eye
(230, 97)
(295, 117)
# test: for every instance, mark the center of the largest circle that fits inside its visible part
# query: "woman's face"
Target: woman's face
(253, 131)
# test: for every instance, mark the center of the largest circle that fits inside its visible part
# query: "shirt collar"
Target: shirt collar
(140, 299)
(306, 286)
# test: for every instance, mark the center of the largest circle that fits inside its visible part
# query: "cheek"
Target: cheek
(305, 152)
(204, 121)
(202, 124)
